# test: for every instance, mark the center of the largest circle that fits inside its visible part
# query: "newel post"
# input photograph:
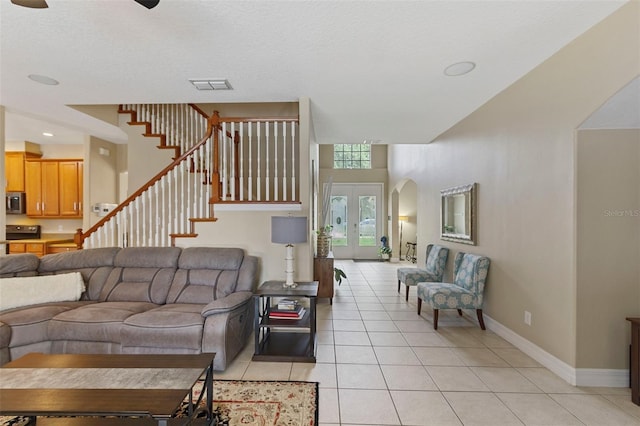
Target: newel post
(214, 122)
(77, 238)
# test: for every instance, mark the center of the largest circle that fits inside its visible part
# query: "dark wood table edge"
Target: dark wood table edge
(40, 360)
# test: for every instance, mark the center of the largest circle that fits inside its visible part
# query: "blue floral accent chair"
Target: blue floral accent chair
(466, 291)
(433, 270)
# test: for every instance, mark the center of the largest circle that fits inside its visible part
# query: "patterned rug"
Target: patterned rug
(248, 403)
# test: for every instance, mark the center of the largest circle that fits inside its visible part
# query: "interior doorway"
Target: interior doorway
(405, 220)
(357, 217)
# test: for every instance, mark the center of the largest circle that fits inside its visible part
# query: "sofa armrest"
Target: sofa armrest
(226, 304)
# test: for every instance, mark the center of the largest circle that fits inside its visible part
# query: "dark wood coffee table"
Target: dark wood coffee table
(150, 386)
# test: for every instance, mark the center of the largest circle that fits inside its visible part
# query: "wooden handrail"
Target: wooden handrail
(199, 111)
(256, 120)
(212, 123)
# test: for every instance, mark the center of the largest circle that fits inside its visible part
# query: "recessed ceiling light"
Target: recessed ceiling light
(460, 68)
(211, 84)
(43, 79)
(47, 134)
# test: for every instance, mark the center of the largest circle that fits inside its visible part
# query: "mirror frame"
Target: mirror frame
(470, 213)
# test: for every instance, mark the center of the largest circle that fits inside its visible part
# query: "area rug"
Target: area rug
(248, 403)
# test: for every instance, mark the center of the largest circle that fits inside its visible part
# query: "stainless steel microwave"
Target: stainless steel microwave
(16, 203)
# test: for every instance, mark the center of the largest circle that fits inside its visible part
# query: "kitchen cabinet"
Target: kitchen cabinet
(54, 188)
(14, 172)
(60, 248)
(70, 184)
(39, 248)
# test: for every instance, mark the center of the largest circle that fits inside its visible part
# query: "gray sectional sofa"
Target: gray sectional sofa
(137, 300)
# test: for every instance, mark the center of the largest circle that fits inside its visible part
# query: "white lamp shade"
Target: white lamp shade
(288, 229)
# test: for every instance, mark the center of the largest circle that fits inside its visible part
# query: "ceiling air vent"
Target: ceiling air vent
(217, 84)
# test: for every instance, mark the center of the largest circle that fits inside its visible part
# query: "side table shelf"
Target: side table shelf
(285, 340)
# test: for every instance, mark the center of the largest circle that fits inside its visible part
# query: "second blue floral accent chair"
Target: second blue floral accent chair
(433, 270)
(466, 291)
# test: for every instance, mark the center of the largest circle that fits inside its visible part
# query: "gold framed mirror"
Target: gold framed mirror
(458, 215)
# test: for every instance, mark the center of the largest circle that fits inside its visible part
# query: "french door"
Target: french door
(357, 219)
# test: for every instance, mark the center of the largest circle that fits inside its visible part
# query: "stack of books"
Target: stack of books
(287, 309)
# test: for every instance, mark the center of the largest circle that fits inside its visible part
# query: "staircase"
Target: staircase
(217, 160)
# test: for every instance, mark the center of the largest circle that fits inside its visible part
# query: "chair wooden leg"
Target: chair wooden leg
(406, 297)
(480, 319)
(419, 305)
(460, 312)
(435, 319)
(398, 286)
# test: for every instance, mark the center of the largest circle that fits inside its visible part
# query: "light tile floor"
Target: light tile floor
(379, 363)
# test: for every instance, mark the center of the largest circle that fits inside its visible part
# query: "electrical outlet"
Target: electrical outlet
(60, 228)
(527, 317)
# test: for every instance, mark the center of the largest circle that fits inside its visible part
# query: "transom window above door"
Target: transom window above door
(352, 156)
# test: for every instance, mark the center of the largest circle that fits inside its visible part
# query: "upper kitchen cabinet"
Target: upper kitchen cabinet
(14, 170)
(70, 188)
(54, 188)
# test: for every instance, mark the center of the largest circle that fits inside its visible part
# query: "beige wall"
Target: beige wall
(144, 160)
(408, 206)
(62, 151)
(101, 177)
(519, 148)
(272, 109)
(608, 244)
(106, 113)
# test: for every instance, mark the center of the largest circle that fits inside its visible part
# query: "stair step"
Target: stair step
(183, 235)
(203, 219)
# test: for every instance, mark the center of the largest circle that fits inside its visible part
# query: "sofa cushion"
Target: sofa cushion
(29, 324)
(18, 265)
(205, 274)
(141, 274)
(100, 322)
(175, 328)
(95, 265)
(25, 291)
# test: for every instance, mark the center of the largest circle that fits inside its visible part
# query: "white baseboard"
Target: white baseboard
(573, 376)
(602, 377)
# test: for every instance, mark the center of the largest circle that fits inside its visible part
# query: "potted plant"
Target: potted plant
(384, 251)
(339, 275)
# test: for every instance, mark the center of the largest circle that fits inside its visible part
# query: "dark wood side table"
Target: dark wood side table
(634, 362)
(285, 340)
(323, 273)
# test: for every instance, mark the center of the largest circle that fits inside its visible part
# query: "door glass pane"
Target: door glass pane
(367, 221)
(339, 220)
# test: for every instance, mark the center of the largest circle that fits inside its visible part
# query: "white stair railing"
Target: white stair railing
(237, 160)
(260, 163)
(165, 209)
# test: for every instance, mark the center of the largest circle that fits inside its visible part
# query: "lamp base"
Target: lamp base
(289, 283)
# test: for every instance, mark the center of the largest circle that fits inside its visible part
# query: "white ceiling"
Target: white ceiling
(372, 69)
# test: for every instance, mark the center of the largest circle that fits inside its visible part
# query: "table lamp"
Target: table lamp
(289, 230)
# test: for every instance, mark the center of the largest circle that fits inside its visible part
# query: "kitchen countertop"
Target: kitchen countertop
(47, 239)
